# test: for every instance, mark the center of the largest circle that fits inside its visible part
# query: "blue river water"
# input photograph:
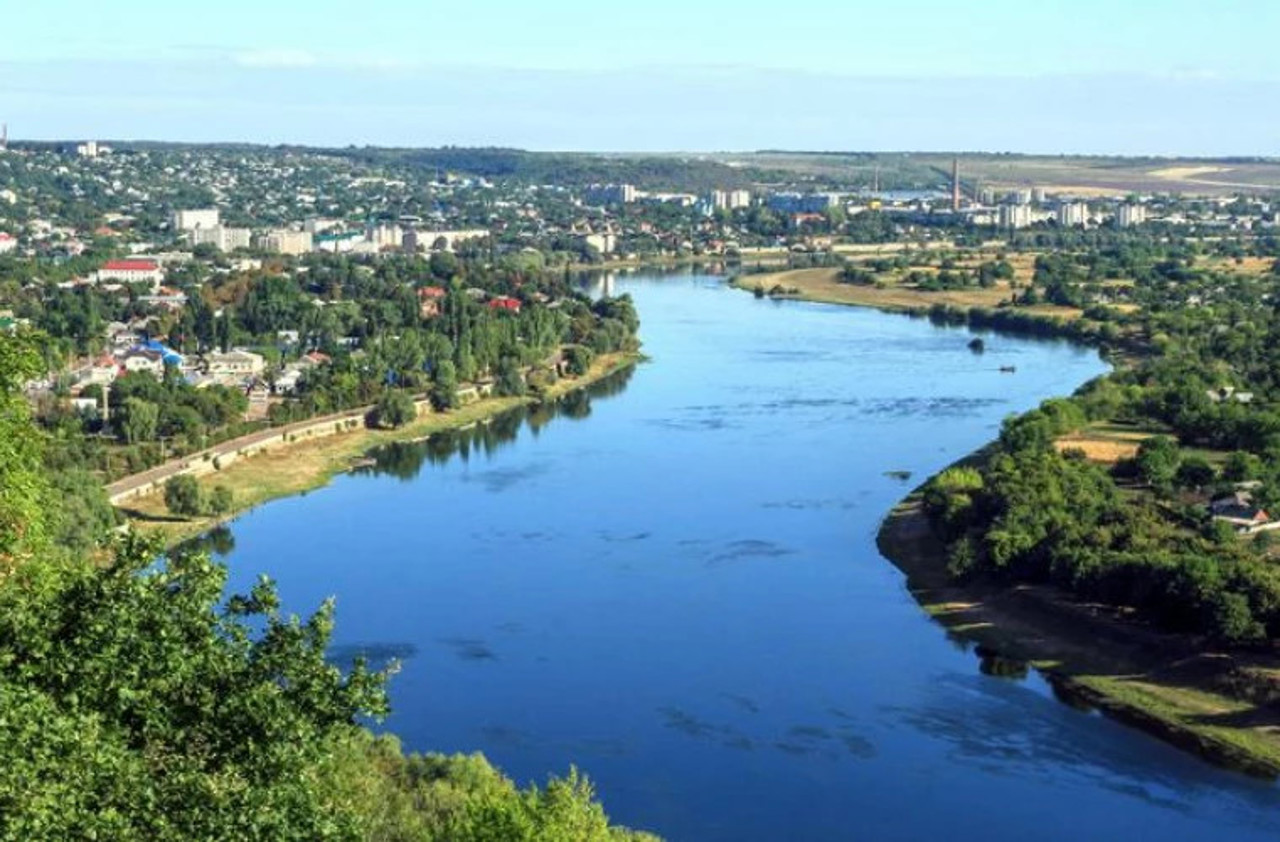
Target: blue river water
(673, 584)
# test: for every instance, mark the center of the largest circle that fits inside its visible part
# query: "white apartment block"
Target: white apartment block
(221, 237)
(385, 236)
(1071, 214)
(1015, 216)
(1128, 215)
(190, 220)
(286, 241)
(91, 149)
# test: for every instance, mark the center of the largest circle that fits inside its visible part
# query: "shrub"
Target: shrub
(394, 409)
(182, 496)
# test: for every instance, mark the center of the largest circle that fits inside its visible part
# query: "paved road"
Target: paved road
(176, 466)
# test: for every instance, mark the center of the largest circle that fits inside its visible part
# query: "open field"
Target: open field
(1214, 703)
(1251, 266)
(1104, 442)
(1110, 177)
(310, 463)
(1101, 450)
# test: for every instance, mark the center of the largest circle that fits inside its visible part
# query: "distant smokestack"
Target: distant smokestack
(4, 136)
(955, 184)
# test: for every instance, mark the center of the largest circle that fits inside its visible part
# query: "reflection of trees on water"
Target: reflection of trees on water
(218, 541)
(404, 460)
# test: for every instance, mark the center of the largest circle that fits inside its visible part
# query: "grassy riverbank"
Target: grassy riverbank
(823, 285)
(1214, 703)
(311, 463)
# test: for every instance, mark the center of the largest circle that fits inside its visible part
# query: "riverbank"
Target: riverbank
(775, 254)
(823, 285)
(310, 463)
(1214, 703)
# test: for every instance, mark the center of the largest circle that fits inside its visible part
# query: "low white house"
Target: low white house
(144, 360)
(234, 363)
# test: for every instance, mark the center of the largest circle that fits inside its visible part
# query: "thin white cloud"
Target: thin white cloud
(275, 57)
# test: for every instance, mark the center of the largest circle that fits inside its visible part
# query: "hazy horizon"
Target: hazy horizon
(1058, 78)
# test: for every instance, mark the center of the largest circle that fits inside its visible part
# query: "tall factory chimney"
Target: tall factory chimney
(955, 185)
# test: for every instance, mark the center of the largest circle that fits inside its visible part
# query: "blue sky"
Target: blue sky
(1126, 76)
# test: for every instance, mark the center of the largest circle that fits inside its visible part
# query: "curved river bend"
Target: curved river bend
(676, 587)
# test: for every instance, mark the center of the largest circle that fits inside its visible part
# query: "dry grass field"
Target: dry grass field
(1086, 176)
(892, 294)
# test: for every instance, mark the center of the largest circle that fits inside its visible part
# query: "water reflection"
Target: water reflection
(405, 460)
(219, 541)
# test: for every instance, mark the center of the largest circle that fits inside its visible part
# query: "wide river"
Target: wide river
(674, 584)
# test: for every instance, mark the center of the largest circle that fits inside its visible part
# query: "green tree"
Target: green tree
(146, 708)
(1158, 460)
(221, 501)
(579, 358)
(23, 487)
(510, 380)
(394, 409)
(444, 387)
(139, 420)
(183, 496)
(443, 265)
(1195, 472)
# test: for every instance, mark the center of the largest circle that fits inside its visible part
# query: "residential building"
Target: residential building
(1071, 214)
(143, 360)
(221, 237)
(131, 272)
(611, 194)
(338, 242)
(739, 199)
(792, 203)
(429, 299)
(234, 363)
(385, 236)
(190, 220)
(605, 243)
(1239, 510)
(1130, 214)
(318, 225)
(415, 241)
(101, 370)
(505, 302)
(1015, 216)
(285, 241)
(8, 243)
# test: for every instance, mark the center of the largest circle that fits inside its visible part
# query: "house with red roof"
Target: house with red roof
(8, 242)
(505, 302)
(132, 272)
(429, 301)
